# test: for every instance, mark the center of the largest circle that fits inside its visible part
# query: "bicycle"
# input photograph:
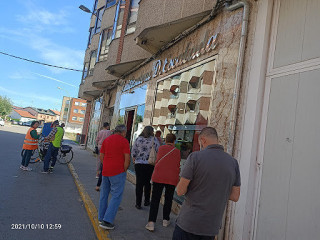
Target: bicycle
(65, 154)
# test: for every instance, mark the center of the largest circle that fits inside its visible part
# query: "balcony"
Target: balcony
(120, 69)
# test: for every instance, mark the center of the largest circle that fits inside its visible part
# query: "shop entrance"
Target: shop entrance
(130, 114)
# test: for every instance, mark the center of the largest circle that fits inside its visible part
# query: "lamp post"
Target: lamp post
(87, 10)
(69, 106)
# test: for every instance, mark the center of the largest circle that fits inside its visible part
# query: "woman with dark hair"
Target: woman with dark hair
(165, 175)
(140, 154)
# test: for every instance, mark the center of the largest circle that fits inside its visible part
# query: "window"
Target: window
(83, 112)
(68, 102)
(120, 18)
(133, 15)
(85, 71)
(83, 104)
(75, 110)
(81, 119)
(95, 6)
(105, 41)
(90, 35)
(110, 3)
(92, 62)
(74, 118)
(77, 103)
(98, 20)
(64, 116)
(66, 109)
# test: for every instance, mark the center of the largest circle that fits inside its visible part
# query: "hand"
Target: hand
(133, 160)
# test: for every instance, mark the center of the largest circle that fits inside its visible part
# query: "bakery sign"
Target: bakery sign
(190, 53)
(163, 66)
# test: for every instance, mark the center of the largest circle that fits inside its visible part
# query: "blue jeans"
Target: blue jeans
(26, 157)
(51, 154)
(111, 185)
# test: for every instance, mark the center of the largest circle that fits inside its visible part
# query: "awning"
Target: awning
(120, 69)
(153, 38)
(108, 84)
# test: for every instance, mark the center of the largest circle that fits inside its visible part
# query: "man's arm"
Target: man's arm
(126, 161)
(182, 186)
(52, 134)
(235, 194)
(101, 157)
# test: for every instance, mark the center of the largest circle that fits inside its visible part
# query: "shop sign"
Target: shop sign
(160, 67)
(136, 82)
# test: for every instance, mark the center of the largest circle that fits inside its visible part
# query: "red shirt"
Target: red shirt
(114, 148)
(167, 170)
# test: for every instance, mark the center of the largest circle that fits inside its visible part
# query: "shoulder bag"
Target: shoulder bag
(153, 154)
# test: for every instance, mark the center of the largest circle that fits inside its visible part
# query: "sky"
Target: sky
(53, 32)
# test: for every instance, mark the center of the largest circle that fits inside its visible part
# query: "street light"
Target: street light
(87, 10)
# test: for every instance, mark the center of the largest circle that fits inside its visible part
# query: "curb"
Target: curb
(89, 205)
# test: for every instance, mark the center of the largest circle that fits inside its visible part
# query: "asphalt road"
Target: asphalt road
(48, 203)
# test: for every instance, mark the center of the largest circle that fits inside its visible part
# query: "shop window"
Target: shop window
(75, 110)
(92, 62)
(119, 19)
(105, 40)
(110, 3)
(98, 20)
(85, 71)
(133, 16)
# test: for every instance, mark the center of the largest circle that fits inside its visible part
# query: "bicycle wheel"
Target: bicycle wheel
(65, 158)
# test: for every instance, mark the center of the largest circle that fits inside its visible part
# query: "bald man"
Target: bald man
(209, 179)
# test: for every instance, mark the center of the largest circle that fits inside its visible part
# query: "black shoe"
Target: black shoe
(147, 204)
(50, 170)
(138, 207)
(106, 225)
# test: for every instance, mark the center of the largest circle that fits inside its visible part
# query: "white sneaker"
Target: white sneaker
(166, 223)
(22, 167)
(27, 169)
(150, 226)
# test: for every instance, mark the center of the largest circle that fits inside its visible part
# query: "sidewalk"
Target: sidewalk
(130, 222)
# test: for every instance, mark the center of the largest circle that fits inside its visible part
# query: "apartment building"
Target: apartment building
(248, 68)
(43, 115)
(73, 113)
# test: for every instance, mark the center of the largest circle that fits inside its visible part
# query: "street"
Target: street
(34, 205)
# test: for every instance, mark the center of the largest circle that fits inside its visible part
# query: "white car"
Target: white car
(1, 122)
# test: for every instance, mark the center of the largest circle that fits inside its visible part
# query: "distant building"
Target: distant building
(72, 114)
(22, 115)
(57, 113)
(43, 115)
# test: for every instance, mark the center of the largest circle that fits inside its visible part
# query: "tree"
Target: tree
(5, 106)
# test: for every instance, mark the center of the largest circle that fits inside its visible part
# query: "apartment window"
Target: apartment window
(66, 109)
(92, 62)
(83, 104)
(85, 71)
(81, 119)
(95, 6)
(64, 116)
(68, 102)
(105, 41)
(98, 20)
(133, 15)
(110, 3)
(75, 110)
(90, 35)
(77, 103)
(74, 118)
(120, 18)
(83, 112)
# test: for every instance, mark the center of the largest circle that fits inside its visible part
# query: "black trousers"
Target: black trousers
(157, 189)
(180, 234)
(143, 177)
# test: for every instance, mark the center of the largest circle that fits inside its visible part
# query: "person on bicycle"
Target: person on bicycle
(29, 145)
(55, 138)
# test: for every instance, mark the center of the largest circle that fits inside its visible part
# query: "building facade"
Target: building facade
(73, 113)
(43, 115)
(248, 68)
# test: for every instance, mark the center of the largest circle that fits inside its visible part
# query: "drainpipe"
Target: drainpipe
(236, 92)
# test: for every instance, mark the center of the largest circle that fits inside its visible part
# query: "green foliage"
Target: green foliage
(5, 106)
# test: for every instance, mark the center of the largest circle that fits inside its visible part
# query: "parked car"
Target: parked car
(26, 123)
(14, 122)
(1, 122)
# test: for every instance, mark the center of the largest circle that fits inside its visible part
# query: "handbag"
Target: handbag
(153, 154)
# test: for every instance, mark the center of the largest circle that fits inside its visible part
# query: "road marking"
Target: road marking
(89, 205)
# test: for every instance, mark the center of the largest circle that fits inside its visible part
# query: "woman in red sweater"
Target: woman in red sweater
(165, 175)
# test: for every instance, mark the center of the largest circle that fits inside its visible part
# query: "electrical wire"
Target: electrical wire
(41, 63)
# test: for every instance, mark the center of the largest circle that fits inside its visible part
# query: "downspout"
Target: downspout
(236, 92)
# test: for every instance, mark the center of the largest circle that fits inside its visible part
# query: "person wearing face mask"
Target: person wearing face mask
(209, 179)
